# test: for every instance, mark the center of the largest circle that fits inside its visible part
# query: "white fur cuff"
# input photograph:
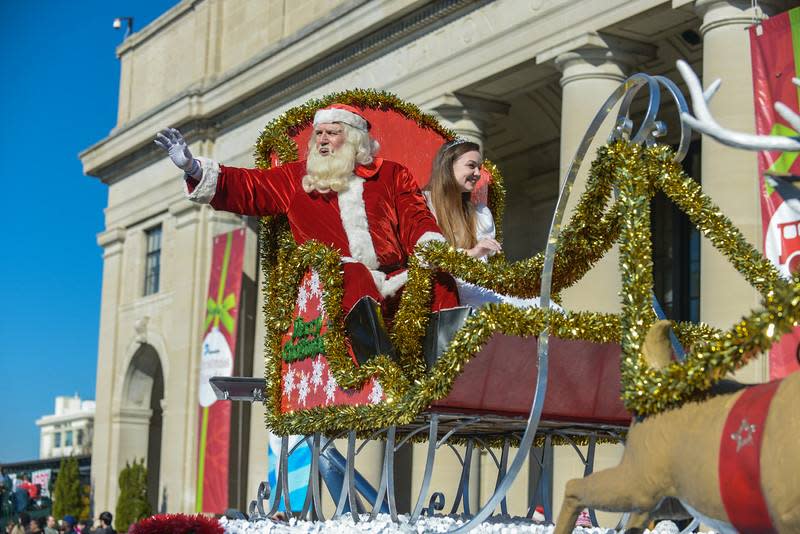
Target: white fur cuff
(430, 236)
(207, 187)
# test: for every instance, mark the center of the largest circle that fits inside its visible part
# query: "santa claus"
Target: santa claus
(368, 208)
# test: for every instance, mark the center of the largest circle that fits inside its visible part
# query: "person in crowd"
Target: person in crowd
(21, 525)
(343, 196)
(5, 481)
(84, 526)
(21, 497)
(30, 487)
(36, 525)
(106, 520)
(51, 527)
(68, 524)
(466, 225)
(6, 494)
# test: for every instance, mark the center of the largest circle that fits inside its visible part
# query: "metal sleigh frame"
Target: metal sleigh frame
(350, 491)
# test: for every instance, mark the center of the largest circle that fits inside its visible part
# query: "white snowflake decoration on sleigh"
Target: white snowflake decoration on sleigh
(302, 298)
(376, 395)
(316, 373)
(302, 388)
(288, 382)
(314, 284)
(330, 387)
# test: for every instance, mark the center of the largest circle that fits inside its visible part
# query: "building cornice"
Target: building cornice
(59, 419)
(292, 65)
(165, 19)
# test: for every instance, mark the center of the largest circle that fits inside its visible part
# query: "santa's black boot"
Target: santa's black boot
(442, 327)
(367, 332)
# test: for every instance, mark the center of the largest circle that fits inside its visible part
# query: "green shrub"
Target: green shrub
(132, 503)
(67, 496)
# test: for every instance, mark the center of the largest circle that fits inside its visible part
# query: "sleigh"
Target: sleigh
(511, 377)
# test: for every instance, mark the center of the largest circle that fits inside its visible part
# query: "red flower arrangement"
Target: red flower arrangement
(177, 524)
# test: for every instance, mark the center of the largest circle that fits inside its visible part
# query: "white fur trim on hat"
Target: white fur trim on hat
(207, 187)
(327, 115)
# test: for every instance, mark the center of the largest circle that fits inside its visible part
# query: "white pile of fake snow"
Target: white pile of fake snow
(384, 525)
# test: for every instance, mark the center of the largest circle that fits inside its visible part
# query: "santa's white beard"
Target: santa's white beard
(331, 172)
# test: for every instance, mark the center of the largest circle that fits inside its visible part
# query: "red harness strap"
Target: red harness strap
(739, 461)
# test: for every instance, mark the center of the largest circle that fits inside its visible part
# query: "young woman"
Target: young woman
(469, 227)
(466, 225)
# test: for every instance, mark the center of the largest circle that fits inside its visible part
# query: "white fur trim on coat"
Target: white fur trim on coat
(354, 219)
(207, 187)
(386, 286)
(324, 116)
(389, 286)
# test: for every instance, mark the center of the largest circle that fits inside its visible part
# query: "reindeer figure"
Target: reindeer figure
(706, 453)
(677, 454)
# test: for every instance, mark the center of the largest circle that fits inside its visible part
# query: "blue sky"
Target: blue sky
(58, 96)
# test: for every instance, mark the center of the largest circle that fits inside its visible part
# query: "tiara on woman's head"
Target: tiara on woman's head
(456, 141)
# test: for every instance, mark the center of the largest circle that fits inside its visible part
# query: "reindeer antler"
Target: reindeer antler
(705, 123)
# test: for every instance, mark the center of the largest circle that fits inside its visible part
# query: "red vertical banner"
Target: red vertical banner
(775, 54)
(216, 359)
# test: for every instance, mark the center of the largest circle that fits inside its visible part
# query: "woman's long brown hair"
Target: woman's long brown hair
(453, 208)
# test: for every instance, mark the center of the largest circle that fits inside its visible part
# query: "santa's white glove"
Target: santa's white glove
(173, 142)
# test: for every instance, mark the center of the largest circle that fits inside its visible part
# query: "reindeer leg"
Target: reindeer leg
(618, 489)
(637, 522)
(570, 509)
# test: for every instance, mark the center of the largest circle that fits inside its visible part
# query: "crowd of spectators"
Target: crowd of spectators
(24, 524)
(20, 499)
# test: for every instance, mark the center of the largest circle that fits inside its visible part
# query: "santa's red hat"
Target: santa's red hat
(342, 113)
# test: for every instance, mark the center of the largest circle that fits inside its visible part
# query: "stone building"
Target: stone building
(68, 431)
(522, 77)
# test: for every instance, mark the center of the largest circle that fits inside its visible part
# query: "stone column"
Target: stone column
(729, 175)
(104, 474)
(592, 67)
(468, 116)
(132, 424)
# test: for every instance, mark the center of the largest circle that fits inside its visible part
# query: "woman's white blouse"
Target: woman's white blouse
(484, 227)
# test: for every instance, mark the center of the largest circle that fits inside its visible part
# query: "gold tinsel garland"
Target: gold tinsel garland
(645, 390)
(411, 320)
(498, 318)
(639, 172)
(635, 265)
(591, 232)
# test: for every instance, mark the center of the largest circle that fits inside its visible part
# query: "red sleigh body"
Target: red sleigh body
(584, 376)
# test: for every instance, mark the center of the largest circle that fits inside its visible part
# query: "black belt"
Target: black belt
(389, 269)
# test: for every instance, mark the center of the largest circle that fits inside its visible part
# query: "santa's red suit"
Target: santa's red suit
(375, 223)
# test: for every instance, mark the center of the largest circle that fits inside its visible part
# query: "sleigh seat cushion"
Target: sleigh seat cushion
(583, 382)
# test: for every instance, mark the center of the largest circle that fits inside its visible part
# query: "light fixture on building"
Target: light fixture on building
(117, 24)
